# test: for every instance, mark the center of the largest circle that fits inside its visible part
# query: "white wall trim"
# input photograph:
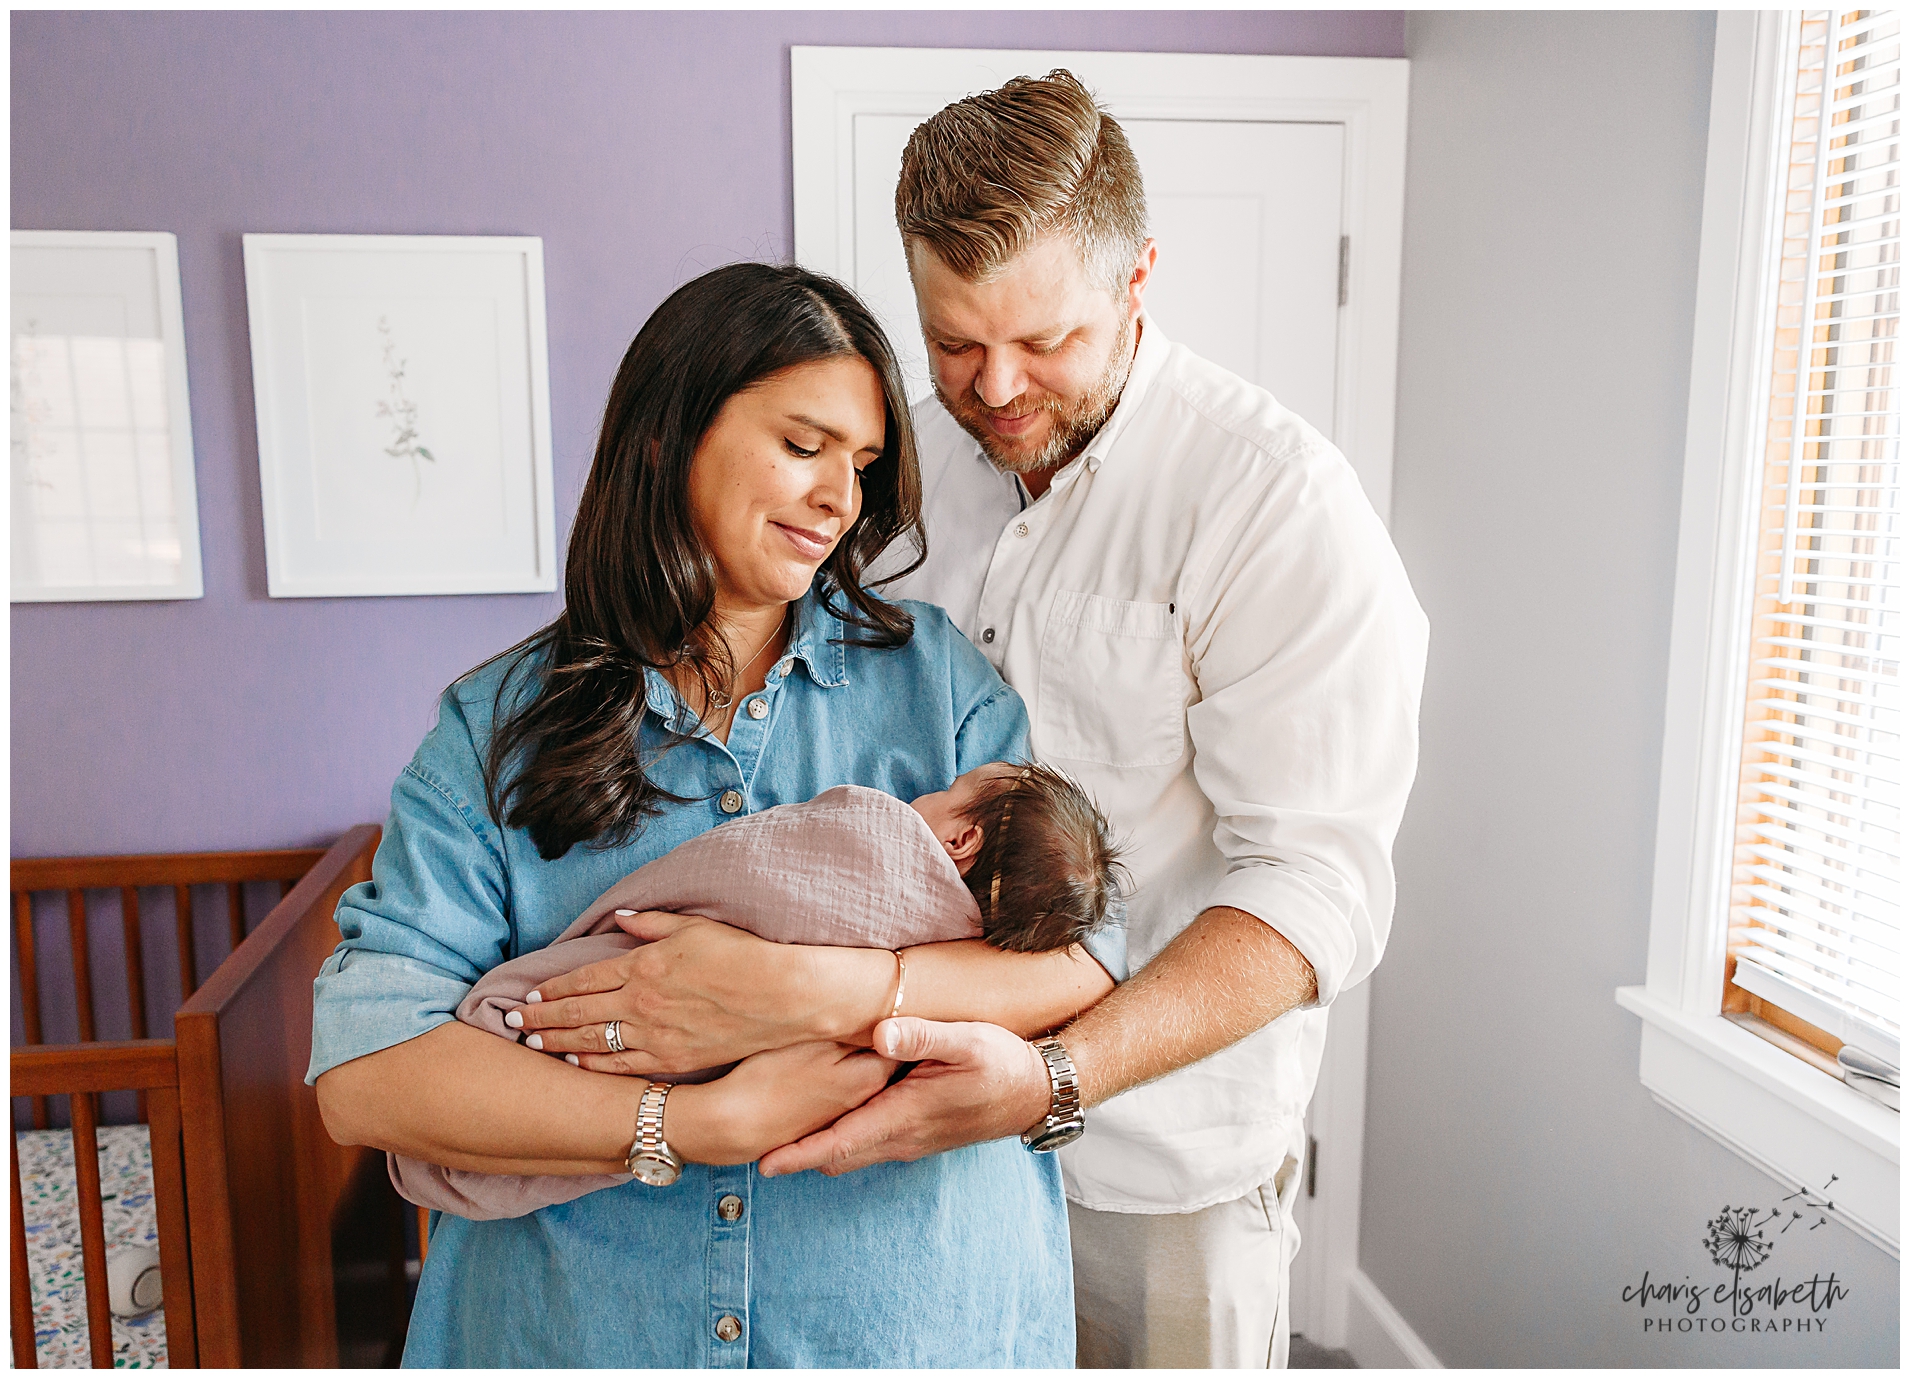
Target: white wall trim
(1717, 547)
(1803, 1127)
(829, 87)
(1376, 1335)
(1330, 1220)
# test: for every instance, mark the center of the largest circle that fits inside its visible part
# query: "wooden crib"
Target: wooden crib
(267, 1231)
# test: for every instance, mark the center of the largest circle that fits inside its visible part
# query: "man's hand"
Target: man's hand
(971, 1082)
(1223, 977)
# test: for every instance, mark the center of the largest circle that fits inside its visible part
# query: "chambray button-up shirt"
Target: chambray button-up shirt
(960, 1259)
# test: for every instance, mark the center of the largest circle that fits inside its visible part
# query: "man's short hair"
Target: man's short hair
(985, 178)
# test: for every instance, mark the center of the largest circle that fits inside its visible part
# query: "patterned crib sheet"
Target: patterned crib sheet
(49, 1193)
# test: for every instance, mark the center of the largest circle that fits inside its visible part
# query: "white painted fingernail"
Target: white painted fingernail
(626, 912)
(536, 1041)
(573, 1060)
(535, 998)
(514, 1018)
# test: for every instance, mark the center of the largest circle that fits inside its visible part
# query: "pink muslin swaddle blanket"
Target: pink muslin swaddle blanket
(852, 868)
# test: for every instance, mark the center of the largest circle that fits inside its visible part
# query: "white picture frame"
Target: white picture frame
(103, 502)
(402, 385)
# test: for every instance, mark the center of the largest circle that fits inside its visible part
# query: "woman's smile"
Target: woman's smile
(811, 545)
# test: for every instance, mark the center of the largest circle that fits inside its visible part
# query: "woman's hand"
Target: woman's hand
(771, 1099)
(703, 994)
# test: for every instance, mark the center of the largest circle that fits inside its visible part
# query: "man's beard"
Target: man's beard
(1074, 423)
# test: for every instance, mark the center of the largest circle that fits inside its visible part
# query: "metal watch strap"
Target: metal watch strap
(1064, 1122)
(651, 1160)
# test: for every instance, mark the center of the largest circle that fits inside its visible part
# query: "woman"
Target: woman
(717, 653)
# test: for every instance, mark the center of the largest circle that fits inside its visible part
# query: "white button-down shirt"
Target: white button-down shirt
(1215, 636)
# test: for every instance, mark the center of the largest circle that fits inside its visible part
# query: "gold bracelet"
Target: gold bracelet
(901, 976)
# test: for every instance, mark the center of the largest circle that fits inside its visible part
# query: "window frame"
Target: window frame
(1779, 1112)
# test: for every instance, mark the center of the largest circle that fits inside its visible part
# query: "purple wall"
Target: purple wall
(644, 148)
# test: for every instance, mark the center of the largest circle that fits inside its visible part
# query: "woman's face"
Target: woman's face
(774, 484)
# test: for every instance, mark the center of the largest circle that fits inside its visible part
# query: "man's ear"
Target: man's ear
(966, 842)
(1139, 276)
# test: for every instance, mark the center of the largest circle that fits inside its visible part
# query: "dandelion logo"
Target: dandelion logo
(1736, 1242)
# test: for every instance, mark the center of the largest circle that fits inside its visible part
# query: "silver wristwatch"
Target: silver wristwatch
(1065, 1120)
(651, 1160)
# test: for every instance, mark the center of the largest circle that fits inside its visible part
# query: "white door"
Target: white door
(1274, 188)
(1247, 215)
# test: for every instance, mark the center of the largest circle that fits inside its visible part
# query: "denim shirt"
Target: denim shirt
(957, 1260)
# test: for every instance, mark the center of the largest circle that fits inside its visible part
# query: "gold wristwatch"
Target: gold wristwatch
(651, 1160)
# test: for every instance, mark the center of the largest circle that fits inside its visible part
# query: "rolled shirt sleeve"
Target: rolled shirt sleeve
(1307, 646)
(432, 920)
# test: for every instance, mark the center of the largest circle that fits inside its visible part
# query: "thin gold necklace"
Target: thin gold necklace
(726, 700)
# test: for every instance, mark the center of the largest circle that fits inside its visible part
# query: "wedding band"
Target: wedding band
(613, 1035)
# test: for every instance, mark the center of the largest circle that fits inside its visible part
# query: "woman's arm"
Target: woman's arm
(464, 1098)
(705, 993)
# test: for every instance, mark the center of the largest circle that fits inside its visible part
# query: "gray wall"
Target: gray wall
(1518, 1177)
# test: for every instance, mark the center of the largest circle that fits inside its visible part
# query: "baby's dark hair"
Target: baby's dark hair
(1048, 872)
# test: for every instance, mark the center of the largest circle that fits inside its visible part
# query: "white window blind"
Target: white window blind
(1816, 906)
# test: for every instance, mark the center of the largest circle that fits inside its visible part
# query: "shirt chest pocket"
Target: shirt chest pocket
(1112, 689)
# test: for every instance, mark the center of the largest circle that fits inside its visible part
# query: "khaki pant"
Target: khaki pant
(1199, 1290)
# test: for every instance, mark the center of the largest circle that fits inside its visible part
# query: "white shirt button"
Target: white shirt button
(728, 1328)
(729, 1206)
(731, 802)
(988, 634)
(782, 667)
(758, 708)
(1021, 529)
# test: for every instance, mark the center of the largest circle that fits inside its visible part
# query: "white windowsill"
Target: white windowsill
(1798, 1124)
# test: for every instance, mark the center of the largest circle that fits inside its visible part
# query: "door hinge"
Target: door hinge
(1312, 1144)
(1346, 263)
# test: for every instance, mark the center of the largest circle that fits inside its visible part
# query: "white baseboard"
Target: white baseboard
(1376, 1335)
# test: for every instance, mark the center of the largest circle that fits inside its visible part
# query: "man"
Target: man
(1214, 634)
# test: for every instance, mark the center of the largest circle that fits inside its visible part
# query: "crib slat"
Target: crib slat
(135, 958)
(135, 971)
(235, 911)
(99, 1316)
(29, 983)
(169, 1209)
(82, 962)
(29, 963)
(424, 1234)
(188, 961)
(25, 1354)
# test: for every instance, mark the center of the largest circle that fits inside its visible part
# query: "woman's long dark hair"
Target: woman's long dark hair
(639, 583)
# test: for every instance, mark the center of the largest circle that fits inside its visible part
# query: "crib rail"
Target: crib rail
(265, 1183)
(80, 1072)
(129, 875)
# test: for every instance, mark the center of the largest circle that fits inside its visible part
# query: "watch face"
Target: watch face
(1051, 1137)
(654, 1169)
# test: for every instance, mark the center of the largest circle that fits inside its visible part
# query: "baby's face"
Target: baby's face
(943, 810)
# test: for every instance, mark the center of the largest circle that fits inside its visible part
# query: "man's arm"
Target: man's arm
(1225, 976)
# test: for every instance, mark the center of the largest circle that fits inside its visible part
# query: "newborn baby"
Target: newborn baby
(1016, 855)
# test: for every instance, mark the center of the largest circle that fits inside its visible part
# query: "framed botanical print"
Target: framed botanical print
(403, 400)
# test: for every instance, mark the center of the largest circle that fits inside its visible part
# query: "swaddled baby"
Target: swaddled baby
(1016, 855)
